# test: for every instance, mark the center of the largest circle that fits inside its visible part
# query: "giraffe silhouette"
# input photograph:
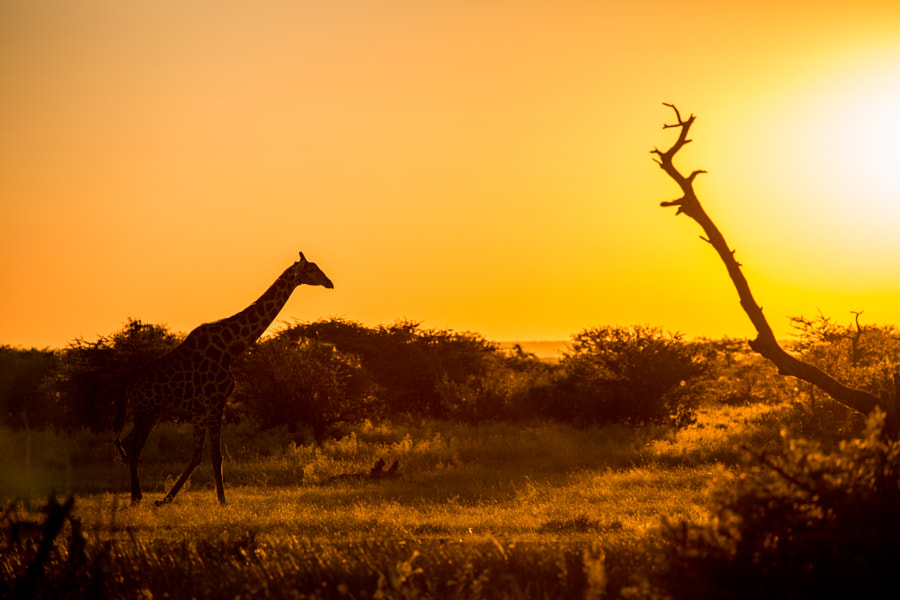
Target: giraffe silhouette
(192, 382)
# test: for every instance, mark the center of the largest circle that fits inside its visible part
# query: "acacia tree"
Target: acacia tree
(633, 375)
(92, 374)
(302, 382)
(765, 342)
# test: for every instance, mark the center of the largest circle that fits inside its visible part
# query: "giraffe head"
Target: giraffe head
(308, 273)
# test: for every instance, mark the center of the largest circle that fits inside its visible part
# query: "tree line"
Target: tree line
(313, 376)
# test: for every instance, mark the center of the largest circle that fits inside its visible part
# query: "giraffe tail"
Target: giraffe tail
(122, 456)
(119, 424)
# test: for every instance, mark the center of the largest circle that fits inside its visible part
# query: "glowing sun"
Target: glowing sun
(836, 147)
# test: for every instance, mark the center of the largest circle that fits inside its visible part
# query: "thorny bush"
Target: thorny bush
(631, 375)
(811, 524)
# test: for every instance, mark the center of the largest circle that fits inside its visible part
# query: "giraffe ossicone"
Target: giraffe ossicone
(193, 382)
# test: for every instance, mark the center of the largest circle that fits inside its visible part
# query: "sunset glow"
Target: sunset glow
(480, 166)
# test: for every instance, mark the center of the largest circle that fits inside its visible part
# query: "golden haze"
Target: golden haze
(477, 166)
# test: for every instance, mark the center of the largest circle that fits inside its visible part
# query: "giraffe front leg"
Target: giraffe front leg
(215, 455)
(196, 457)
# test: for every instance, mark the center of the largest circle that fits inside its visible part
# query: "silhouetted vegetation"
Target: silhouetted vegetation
(311, 377)
(26, 390)
(808, 524)
(50, 570)
(302, 383)
(806, 509)
(634, 376)
(865, 356)
(418, 371)
(93, 374)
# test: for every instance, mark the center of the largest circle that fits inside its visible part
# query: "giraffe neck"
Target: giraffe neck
(233, 335)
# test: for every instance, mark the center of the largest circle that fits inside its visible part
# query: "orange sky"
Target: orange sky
(473, 165)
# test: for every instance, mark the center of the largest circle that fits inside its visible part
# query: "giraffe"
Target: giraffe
(192, 382)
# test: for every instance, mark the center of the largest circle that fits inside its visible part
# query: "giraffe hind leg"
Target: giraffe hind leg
(196, 458)
(130, 450)
(215, 455)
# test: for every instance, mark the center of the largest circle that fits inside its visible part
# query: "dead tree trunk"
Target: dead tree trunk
(765, 342)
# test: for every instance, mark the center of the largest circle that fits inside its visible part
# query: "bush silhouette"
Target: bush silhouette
(631, 375)
(298, 382)
(812, 524)
(93, 373)
(418, 371)
(26, 394)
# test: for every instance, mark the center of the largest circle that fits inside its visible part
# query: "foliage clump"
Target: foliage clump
(94, 374)
(632, 375)
(26, 391)
(298, 383)
(809, 524)
(418, 371)
(863, 356)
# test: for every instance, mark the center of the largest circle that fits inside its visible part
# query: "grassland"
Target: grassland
(490, 510)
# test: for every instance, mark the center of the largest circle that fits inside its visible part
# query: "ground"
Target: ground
(560, 509)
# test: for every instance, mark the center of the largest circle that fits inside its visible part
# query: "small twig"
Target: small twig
(677, 116)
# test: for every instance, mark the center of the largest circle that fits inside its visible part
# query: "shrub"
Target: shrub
(739, 376)
(93, 373)
(809, 525)
(26, 396)
(298, 383)
(634, 375)
(425, 372)
(864, 357)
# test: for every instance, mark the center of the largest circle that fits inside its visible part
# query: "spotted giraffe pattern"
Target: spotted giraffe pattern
(193, 382)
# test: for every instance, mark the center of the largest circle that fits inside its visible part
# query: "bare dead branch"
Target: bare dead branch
(765, 342)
